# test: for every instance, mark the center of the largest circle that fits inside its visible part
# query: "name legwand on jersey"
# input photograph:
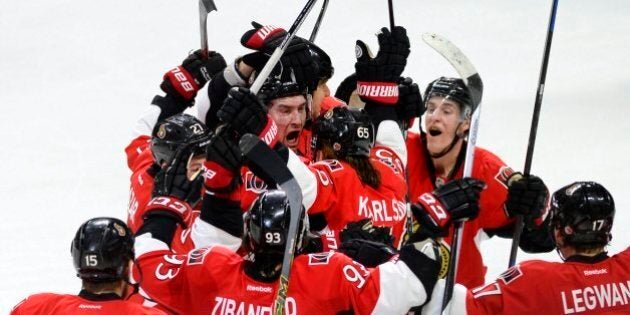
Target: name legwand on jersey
(600, 296)
(382, 92)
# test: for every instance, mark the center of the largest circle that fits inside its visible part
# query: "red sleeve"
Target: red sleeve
(327, 174)
(494, 172)
(136, 148)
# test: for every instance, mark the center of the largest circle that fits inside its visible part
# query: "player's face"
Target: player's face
(289, 113)
(318, 96)
(443, 121)
(195, 164)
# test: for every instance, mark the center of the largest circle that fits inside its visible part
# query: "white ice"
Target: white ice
(75, 75)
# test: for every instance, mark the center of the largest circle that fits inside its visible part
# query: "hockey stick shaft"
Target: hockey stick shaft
(273, 168)
(273, 60)
(205, 7)
(390, 5)
(320, 17)
(518, 229)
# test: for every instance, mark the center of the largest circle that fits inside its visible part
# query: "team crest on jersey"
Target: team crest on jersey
(196, 256)
(502, 176)
(511, 274)
(319, 258)
(253, 183)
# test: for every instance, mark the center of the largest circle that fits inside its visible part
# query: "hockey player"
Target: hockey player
(588, 282)
(163, 129)
(102, 251)
(216, 280)
(438, 157)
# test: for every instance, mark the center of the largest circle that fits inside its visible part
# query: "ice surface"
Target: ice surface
(75, 75)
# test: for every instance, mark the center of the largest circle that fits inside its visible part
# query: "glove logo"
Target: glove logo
(358, 52)
(437, 210)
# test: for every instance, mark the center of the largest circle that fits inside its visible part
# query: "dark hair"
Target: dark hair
(368, 174)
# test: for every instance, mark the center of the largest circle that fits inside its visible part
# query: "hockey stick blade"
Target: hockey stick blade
(271, 167)
(459, 61)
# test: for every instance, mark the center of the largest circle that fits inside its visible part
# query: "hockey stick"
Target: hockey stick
(273, 60)
(516, 237)
(469, 74)
(273, 168)
(320, 17)
(205, 7)
(390, 5)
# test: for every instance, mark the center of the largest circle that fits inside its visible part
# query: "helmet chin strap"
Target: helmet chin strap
(451, 145)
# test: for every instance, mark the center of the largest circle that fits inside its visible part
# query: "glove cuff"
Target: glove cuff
(380, 92)
(183, 82)
(170, 206)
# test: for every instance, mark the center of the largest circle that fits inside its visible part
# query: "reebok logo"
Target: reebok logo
(88, 306)
(595, 272)
(258, 288)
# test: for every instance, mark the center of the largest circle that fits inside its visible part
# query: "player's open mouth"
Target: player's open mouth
(434, 132)
(292, 137)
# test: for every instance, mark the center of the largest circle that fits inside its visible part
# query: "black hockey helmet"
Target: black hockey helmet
(451, 88)
(176, 132)
(583, 212)
(267, 223)
(101, 250)
(324, 64)
(348, 131)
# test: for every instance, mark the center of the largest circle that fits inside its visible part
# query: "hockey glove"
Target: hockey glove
(297, 57)
(410, 103)
(456, 200)
(184, 81)
(368, 253)
(527, 196)
(424, 260)
(365, 230)
(377, 77)
(244, 113)
(223, 162)
(174, 194)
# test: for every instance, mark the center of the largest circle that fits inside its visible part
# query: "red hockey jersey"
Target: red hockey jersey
(211, 280)
(343, 198)
(486, 167)
(539, 287)
(66, 304)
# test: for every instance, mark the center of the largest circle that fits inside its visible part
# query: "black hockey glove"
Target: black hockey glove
(184, 81)
(527, 196)
(223, 162)
(377, 77)
(457, 200)
(410, 105)
(174, 194)
(367, 244)
(297, 57)
(244, 113)
(425, 261)
(365, 230)
(367, 253)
